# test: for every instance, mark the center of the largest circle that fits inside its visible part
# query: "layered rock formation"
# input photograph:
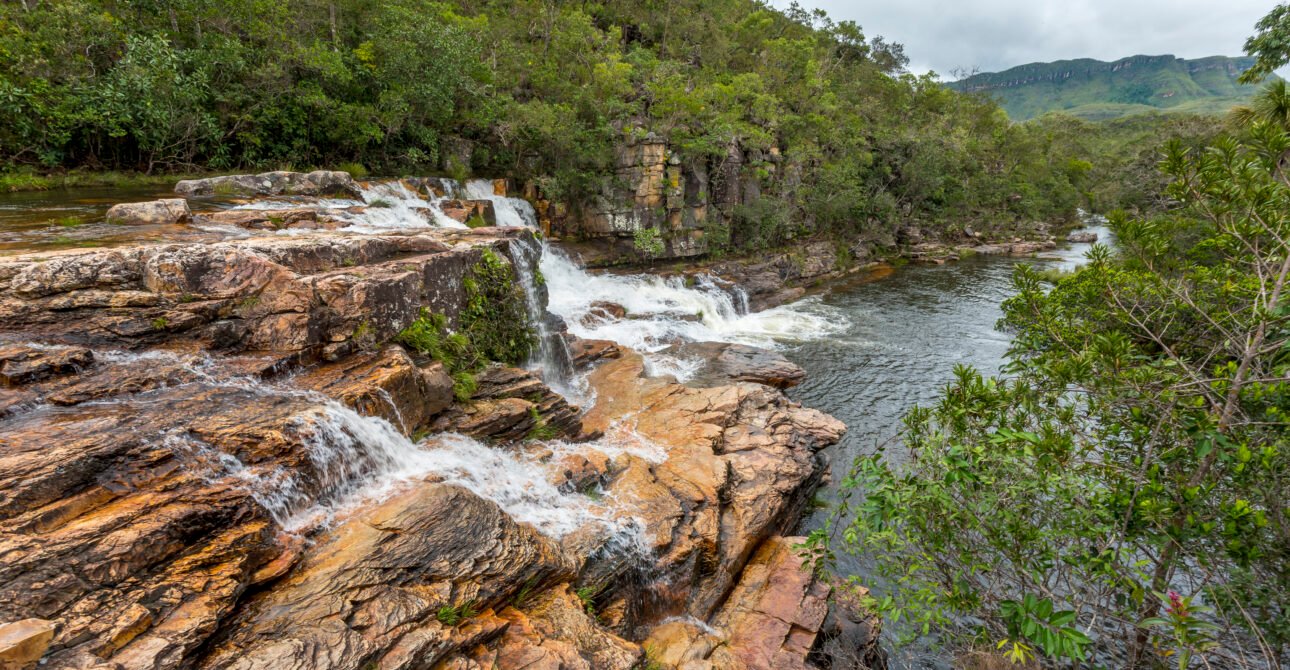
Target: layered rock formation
(208, 460)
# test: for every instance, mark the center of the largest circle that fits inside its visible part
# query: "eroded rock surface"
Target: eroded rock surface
(184, 463)
(723, 363)
(318, 182)
(153, 213)
(741, 461)
(372, 592)
(312, 296)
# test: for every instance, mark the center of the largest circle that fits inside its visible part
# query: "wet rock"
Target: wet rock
(1015, 248)
(317, 183)
(463, 211)
(24, 364)
(511, 404)
(371, 592)
(607, 310)
(154, 213)
(586, 353)
(387, 384)
(850, 638)
(739, 465)
(1082, 237)
(22, 643)
(723, 363)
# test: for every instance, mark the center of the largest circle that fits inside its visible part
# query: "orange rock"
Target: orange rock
(22, 643)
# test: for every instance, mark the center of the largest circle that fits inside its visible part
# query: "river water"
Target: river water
(872, 349)
(903, 335)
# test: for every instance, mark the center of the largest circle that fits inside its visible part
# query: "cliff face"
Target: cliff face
(690, 202)
(1098, 89)
(214, 455)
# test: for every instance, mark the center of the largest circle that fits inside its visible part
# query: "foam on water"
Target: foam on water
(513, 212)
(662, 311)
(358, 460)
(363, 459)
(387, 205)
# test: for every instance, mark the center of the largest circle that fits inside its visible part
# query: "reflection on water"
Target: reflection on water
(906, 333)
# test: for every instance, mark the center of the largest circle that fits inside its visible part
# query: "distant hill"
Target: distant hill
(1097, 90)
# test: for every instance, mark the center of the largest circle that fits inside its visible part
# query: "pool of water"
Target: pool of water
(906, 332)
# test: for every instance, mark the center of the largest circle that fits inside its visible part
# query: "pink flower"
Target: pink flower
(1176, 607)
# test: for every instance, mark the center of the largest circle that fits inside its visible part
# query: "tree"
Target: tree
(1270, 46)
(1121, 493)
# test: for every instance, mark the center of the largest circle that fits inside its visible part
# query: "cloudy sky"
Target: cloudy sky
(994, 35)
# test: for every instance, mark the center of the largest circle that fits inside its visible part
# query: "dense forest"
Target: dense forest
(543, 91)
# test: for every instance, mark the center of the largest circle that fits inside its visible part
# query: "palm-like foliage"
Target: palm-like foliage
(1271, 105)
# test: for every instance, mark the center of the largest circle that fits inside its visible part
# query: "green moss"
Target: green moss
(380, 202)
(587, 595)
(464, 386)
(493, 326)
(476, 221)
(495, 319)
(160, 323)
(541, 430)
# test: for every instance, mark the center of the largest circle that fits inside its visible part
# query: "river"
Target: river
(904, 334)
(872, 349)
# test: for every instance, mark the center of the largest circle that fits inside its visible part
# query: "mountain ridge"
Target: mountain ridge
(1096, 90)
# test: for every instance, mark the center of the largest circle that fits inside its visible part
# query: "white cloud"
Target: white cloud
(995, 35)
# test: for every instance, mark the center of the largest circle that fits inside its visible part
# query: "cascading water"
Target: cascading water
(354, 459)
(512, 212)
(551, 358)
(661, 311)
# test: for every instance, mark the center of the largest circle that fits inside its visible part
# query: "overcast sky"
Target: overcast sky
(995, 35)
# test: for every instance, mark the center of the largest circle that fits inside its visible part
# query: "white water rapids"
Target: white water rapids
(359, 459)
(661, 311)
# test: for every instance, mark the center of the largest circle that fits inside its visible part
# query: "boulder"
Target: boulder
(553, 630)
(723, 363)
(316, 183)
(463, 211)
(586, 353)
(1082, 237)
(738, 464)
(152, 213)
(22, 643)
(607, 310)
(511, 404)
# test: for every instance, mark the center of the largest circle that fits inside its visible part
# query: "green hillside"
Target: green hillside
(1098, 90)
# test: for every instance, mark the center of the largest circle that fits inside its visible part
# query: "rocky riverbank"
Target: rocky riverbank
(227, 455)
(781, 276)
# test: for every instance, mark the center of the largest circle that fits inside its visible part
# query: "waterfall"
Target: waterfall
(660, 311)
(511, 212)
(551, 358)
(352, 460)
